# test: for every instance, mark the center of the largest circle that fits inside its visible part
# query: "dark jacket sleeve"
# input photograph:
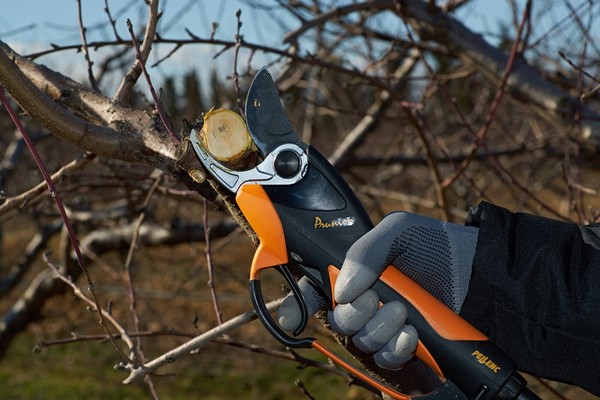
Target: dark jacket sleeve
(535, 292)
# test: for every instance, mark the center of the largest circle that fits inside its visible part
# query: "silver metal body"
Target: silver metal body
(265, 172)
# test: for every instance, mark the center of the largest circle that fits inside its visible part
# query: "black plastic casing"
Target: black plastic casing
(321, 218)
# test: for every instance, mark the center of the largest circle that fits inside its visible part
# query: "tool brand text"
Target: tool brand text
(334, 223)
(485, 360)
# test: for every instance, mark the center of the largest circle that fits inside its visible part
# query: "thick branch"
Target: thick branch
(55, 118)
(101, 126)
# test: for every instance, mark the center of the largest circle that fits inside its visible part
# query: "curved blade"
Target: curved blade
(265, 116)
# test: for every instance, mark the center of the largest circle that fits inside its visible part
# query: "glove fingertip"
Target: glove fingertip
(349, 318)
(395, 311)
(354, 280)
(408, 340)
(389, 361)
(399, 350)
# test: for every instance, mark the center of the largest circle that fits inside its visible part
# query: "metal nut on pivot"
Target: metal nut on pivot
(287, 164)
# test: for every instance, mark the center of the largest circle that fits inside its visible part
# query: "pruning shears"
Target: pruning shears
(307, 217)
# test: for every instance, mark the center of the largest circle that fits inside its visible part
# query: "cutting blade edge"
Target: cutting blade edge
(267, 121)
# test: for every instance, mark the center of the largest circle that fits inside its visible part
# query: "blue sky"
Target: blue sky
(31, 25)
(56, 20)
(39, 22)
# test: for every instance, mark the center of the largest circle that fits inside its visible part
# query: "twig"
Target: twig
(440, 190)
(124, 90)
(372, 117)
(501, 90)
(43, 286)
(133, 245)
(409, 200)
(585, 96)
(129, 279)
(21, 200)
(213, 31)
(136, 373)
(93, 304)
(113, 22)
(288, 355)
(142, 62)
(8, 162)
(303, 389)
(209, 263)
(84, 47)
(562, 55)
(235, 77)
(304, 362)
(481, 134)
(575, 197)
(77, 338)
(168, 55)
(335, 12)
(310, 110)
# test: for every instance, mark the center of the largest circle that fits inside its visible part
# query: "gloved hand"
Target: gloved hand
(437, 255)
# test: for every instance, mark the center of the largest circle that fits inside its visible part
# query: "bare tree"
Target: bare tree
(416, 109)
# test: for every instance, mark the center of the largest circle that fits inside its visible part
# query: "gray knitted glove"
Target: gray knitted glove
(437, 255)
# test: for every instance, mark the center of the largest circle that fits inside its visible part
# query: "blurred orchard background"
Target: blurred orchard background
(428, 106)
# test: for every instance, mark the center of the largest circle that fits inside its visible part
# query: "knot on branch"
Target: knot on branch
(188, 161)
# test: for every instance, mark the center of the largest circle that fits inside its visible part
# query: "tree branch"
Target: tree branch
(96, 124)
(525, 83)
(372, 118)
(196, 343)
(55, 118)
(124, 90)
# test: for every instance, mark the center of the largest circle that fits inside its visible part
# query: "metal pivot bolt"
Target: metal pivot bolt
(287, 164)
